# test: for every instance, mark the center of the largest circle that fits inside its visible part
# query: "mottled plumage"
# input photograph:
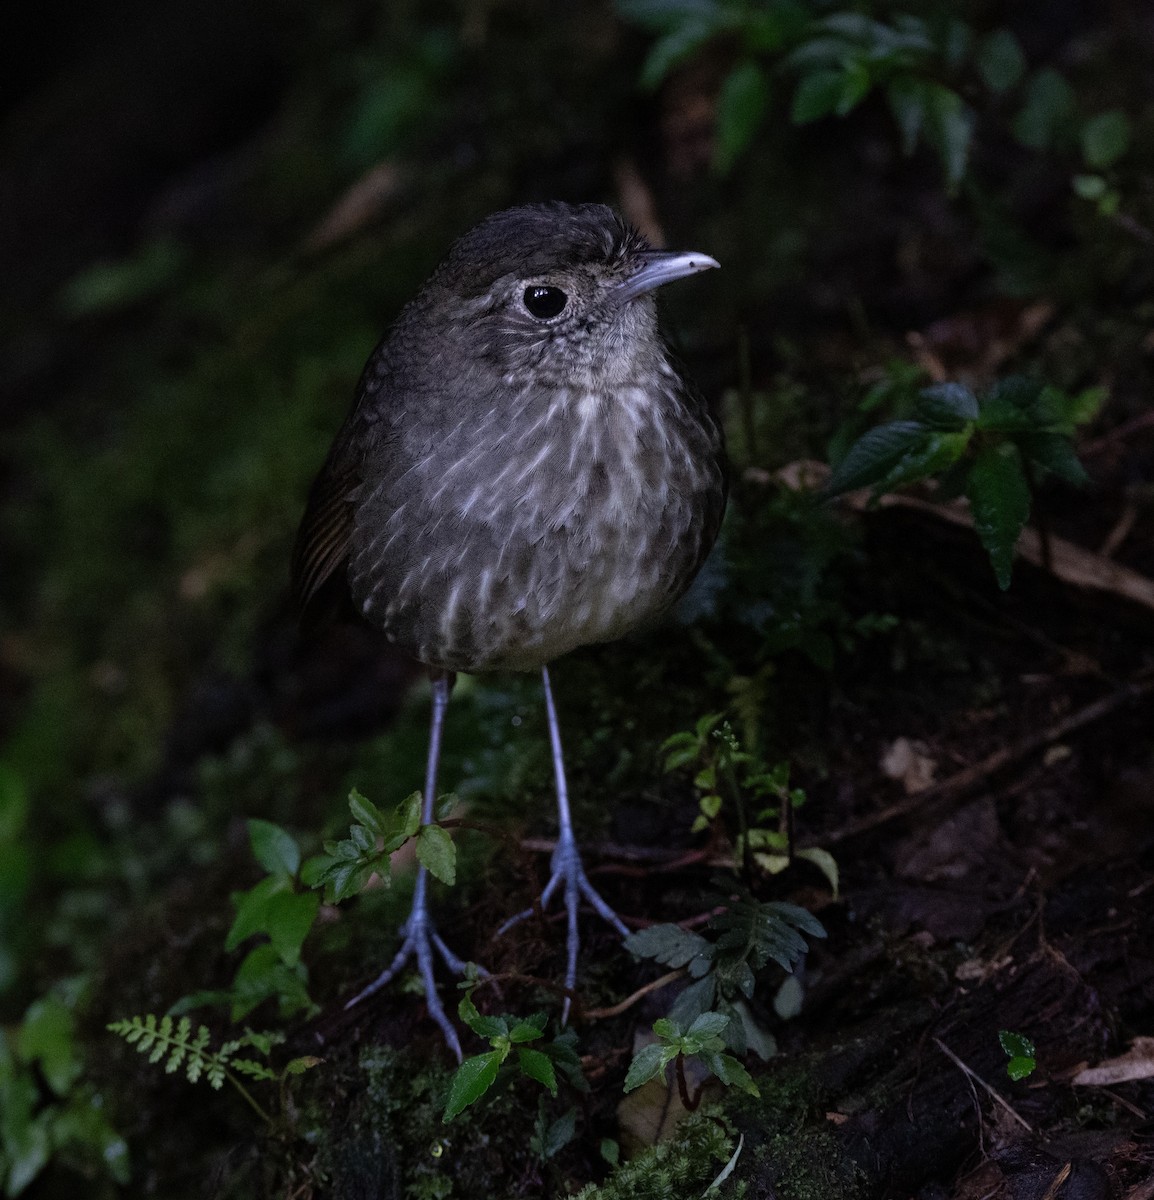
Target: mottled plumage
(524, 471)
(507, 488)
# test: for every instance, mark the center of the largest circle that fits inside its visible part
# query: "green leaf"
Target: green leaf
(730, 1072)
(1048, 112)
(560, 1133)
(825, 863)
(252, 909)
(649, 1062)
(528, 1029)
(46, 1036)
(948, 406)
(818, 94)
(1000, 501)
(537, 1066)
(666, 1029)
(275, 849)
(740, 107)
(472, 1080)
(1016, 1044)
(674, 48)
(672, 946)
(1105, 138)
(289, 917)
(708, 1025)
(1055, 452)
(1020, 1068)
(436, 852)
(367, 813)
(482, 1025)
(906, 96)
(1089, 187)
(408, 818)
(949, 129)
(1001, 62)
(875, 454)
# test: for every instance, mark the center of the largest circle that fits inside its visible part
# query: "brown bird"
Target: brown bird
(524, 471)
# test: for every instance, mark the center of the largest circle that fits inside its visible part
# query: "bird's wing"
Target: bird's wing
(326, 529)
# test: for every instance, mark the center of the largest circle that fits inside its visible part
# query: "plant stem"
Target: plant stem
(260, 1112)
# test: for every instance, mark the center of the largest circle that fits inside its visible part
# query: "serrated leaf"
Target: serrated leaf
(1000, 61)
(875, 454)
(481, 1024)
(1055, 452)
(537, 1066)
(666, 1029)
(696, 998)
(1016, 1045)
(672, 946)
(366, 813)
(274, 848)
(437, 853)
(709, 1024)
(648, 1063)
(741, 106)
(731, 1072)
(528, 1029)
(472, 1080)
(948, 406)
(1105, 138)
(560, 1133)
(1020, 1068)
(1000, 502)
(298, 1066)
(408, 816)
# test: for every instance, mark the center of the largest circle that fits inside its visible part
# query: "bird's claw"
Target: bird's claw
(421, 940)
(566, 868)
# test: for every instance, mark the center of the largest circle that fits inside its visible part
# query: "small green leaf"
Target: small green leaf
(1001, 62)
(948, 406)
(537, 1066)
(1105, 138)
(877, 452)
(670, 945)
(275, 849)
(289, 917)
(674, 48)
(709, 1024)
(436, 852)
(45, 1036)
(367, 813)
(472, 1080)
(560, 1133)
(298, 1066)
(1048, 112)
(408, 815)
(1020, 1068)
(252, 909)
(1055, 452)
(731, 1072)
(528, 1029)
(1089, 187)
(649, 1062)
(1000, 501)
(1016, 1044)
(666, 1029)
(740, 109)
(482, 1025)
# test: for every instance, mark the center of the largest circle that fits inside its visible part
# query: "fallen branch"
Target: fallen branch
(975, 1078)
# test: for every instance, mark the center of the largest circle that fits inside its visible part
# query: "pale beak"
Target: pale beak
(660, 267)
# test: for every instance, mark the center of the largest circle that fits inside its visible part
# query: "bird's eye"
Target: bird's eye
(544, 302)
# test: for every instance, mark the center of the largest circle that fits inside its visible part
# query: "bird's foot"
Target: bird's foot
(421, 940)
(568, 870)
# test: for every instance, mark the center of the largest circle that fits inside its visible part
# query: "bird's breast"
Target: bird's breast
(559, 520)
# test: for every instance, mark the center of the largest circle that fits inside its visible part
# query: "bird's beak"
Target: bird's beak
(663, 266)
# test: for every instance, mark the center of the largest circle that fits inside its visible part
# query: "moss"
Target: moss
(682, 1166)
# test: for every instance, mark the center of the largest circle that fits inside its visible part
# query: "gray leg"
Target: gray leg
(566, 867)
(419, 933)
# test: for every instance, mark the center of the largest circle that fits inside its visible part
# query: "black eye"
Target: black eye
(544, 302)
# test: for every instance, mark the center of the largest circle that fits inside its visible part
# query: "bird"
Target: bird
(525, 470)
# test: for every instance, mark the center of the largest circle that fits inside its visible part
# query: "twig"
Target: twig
(1055, 1187)
(966, 780)
(971, 1075)
(602, 1014)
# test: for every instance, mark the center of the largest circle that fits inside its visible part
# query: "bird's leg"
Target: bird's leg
(566, 866)
(419, 933)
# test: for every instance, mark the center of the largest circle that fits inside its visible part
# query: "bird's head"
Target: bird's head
(562, 292)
